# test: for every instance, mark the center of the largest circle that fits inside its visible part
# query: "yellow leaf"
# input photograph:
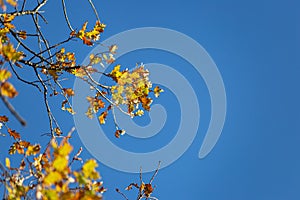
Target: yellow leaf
(4, 75)
(139, 113)
(7, 163)
(115, 73)
(52, 178)
(142, 186)
(71, 111)
(7, 89)
(89, 169)
(50, 194)
(65, 149)
(60, 163)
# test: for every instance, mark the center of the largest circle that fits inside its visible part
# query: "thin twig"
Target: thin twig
(121, 193)
(94, 9)
(155, 173)
(24, 81)
(66, 15)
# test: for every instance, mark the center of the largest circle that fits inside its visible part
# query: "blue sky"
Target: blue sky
(256, 46)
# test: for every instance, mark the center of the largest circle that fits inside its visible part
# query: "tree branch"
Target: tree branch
(12, 110)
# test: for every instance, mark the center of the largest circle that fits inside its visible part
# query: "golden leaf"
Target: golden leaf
(89, 169)
(52, 178)
(7, 89)
(65, 149)
(60, 163)
(102, 117)
(4, 75)
(33, 149)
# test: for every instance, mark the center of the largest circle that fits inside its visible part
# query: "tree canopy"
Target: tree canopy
(45, 172)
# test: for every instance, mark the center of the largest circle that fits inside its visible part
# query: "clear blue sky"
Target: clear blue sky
(256, 46)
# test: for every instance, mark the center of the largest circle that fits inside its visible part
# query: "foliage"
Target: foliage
(46, 172)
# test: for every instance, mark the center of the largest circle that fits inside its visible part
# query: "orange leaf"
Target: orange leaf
(3, 119)
(87, 41)
(118, 133)
(102, 117)
(69, 92)
(146, 102)
(14, 134)
(22, 34)
(148, 189)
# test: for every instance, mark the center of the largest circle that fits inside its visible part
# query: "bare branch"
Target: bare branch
(94, 9)
(12, 110)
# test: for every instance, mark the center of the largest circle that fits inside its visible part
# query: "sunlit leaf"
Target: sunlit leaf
(157, 90)
(7, 89)
(33, 149)
(65, 149)
(89, 169)
(146, 101)
(69, 92)
(118, 133)
(4, 75)
(7, 163)
(52, 178)
(102, 117)
(60, 163)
